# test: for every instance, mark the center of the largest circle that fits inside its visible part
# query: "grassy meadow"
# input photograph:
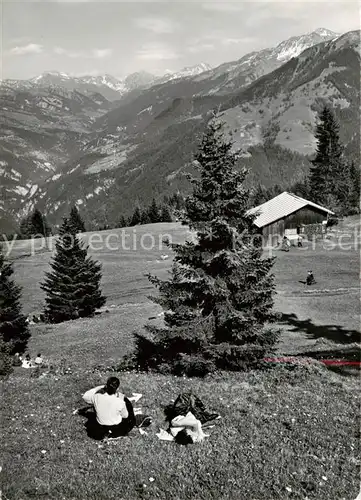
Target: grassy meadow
(284, 433)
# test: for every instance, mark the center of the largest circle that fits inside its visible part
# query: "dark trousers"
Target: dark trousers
(99, 432)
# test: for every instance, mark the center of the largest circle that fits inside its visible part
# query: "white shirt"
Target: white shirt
(109, 409)
(189, 422)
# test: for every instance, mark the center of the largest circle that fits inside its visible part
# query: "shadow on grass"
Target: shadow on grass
(349, 355)
(90, 423)
(335, 333)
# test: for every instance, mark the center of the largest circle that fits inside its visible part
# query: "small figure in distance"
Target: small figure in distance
(299, 241)
(26, 363)
(38, 360)
(17, 359)
(286, 244)
(310, 280)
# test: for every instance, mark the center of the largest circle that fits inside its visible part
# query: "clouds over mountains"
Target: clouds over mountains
(119, 37)
(30, 48)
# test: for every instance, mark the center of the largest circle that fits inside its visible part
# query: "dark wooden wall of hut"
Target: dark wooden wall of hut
(272, 231)
(307, 215)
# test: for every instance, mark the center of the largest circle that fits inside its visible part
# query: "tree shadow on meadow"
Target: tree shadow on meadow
(334, 333)
(345, 342)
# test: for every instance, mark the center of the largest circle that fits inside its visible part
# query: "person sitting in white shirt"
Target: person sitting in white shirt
(38, 360)
(114, 413)
(26, 363)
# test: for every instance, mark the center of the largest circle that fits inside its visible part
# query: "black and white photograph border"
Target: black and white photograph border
(180, 250)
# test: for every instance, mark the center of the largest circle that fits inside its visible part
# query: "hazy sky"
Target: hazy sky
(119, 37)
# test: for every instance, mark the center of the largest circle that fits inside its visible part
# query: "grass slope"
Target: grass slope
(282, 435)
(329, 310)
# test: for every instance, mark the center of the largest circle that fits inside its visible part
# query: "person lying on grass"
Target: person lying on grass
(187, 429)
(114, 413)
(187, 402)
(185, 418)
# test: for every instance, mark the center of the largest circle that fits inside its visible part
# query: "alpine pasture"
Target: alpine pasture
(285, 432)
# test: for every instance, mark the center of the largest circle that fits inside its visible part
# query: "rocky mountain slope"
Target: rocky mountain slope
(288, 99)
(40, 129)
(229, 77)
(47, 120)
(142, 107)
(269, 100)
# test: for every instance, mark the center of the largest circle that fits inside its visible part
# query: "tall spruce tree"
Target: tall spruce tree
(219, 296)
(76, 221)
(73, 287)
(328, 174)
(14, 331)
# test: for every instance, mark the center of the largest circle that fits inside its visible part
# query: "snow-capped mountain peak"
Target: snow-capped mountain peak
(107, 80)
(297, 44)
(49, 75)
(192, 70)
(186, 72)
(324, 32)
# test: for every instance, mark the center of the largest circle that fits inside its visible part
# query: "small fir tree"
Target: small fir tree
(76, 221)
(153, 212)
(39, 224)
(165, 215)
(14, 331)
(260, 195)
(136, 217)
(25, 228)
(73, 287)
(144, 217)
(177, 201)
(354, 188)
(301, 188)
(123, 222)
(219, 296)
(35, 225)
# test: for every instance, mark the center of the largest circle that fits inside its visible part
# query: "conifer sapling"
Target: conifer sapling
(76, 221)
(73, 287)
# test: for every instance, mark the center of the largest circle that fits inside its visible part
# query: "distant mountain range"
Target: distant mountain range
(105, 143)
(110, 87)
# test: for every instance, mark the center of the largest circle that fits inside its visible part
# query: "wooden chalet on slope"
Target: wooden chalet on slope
(287, 214)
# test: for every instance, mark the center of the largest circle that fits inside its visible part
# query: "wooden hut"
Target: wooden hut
(287, 215)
